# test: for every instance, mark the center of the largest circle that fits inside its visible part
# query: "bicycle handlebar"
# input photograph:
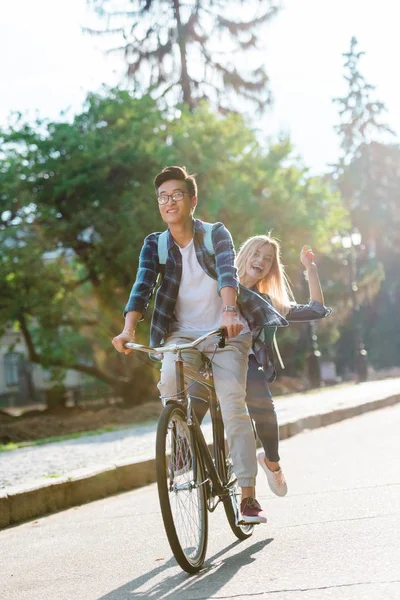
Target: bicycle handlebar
(220, 333)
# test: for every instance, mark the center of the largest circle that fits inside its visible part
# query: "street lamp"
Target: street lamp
(350, 242)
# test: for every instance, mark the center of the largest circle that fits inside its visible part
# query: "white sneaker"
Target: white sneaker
(276, 479)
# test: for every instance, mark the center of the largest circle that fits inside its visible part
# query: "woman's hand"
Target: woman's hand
(307, 260)
(307, 257)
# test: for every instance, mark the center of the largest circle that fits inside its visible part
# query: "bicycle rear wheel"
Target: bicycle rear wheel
(232, 507)
(181, 489)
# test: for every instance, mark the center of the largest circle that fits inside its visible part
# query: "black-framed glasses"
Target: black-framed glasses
(176, 197)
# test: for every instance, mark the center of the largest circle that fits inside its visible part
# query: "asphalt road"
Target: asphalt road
(335, 536)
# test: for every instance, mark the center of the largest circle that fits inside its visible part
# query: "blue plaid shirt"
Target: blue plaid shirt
(219, 266)
(263, 344)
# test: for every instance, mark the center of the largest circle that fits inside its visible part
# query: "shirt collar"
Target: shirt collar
(197, 227)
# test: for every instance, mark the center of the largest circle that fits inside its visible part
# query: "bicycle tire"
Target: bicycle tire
(182, 509)
(242, 532)
(230, 502)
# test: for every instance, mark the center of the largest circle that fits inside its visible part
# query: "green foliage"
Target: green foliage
(77, 201)
(382, 324)
(367, 177)
(372, 180)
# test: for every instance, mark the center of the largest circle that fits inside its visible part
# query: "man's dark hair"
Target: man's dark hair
(179, 173)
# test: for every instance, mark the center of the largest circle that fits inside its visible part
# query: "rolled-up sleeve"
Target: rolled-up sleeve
(224, 257)
(308, 312)
(146, 277)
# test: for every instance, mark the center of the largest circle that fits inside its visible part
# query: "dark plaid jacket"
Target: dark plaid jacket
(263, 347)
(258, 311)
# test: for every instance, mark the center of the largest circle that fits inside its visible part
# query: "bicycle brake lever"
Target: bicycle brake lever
(222, 337)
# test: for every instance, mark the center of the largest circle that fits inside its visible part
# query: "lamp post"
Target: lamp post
(350, 242)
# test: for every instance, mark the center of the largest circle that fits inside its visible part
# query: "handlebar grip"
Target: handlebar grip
(223, 333)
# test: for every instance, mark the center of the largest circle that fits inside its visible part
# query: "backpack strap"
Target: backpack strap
(163, 247)
(162, 244)
(208, 238)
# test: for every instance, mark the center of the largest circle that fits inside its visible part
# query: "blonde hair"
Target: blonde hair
(275, 283)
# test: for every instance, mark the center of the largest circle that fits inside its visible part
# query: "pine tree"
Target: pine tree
(188, 51)
(364, 174)
(359, 112)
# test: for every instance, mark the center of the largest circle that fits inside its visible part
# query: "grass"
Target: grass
(57, 438)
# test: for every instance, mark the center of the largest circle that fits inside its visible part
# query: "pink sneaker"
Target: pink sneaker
(276, 479)
(251, 511)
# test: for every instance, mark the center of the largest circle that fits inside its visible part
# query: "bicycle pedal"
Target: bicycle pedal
(243, 522)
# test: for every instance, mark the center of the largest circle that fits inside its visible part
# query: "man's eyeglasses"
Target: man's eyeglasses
(176, 197)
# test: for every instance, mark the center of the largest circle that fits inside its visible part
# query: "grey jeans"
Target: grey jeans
(229, 366)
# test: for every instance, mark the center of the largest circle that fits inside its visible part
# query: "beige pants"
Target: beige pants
(229, 366)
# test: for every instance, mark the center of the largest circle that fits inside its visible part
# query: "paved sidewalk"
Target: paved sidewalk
(52, 476)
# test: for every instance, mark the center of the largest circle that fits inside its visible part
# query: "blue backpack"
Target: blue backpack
(163, 243)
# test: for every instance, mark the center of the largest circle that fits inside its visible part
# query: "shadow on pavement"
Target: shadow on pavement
(208, 581)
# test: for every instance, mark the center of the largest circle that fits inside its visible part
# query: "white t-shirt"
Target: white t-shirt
(198, 306)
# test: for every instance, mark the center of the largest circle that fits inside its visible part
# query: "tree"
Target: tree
(67, 214)
(362, 171)
(359, 112)
(77, 200)
(187, 52)
(367, 176)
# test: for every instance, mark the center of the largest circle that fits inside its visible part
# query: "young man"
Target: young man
(198, 293)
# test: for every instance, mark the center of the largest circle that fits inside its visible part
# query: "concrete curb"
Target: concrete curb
(287, 430)
(87, 485)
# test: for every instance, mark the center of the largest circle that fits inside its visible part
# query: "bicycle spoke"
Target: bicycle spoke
(187, 505)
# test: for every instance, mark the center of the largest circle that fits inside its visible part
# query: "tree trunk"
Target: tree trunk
(185, 79)
(56, 397)
(140, 389)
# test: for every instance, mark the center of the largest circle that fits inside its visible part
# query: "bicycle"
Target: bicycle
(191, 482)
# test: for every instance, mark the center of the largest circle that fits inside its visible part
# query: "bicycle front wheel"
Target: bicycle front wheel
(181, 489)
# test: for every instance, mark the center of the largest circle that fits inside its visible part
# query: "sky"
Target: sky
(48, 64)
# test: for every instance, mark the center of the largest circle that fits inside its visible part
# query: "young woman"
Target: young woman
(260, 269)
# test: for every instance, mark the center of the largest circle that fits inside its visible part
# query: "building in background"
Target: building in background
(23, 383)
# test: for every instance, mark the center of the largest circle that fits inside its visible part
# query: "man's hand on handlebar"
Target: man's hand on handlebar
(231, 322)
(120, 340)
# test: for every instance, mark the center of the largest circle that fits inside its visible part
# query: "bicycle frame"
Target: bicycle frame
(217, 471)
